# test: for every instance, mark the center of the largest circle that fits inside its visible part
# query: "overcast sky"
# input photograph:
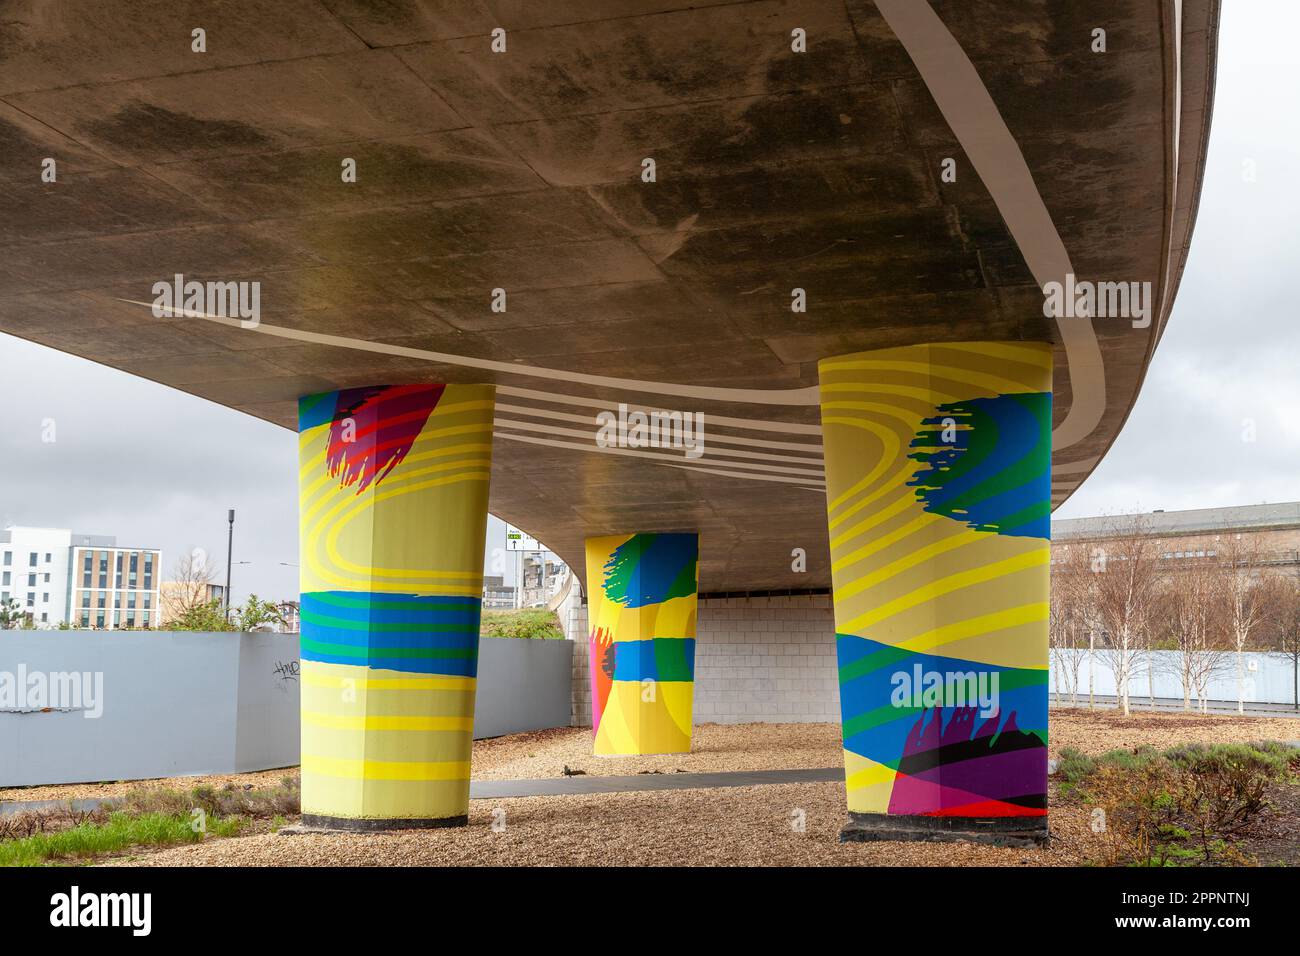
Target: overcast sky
(158, 468)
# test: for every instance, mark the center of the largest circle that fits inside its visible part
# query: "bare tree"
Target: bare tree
(1245, 599)
(1193, 608)
(1125, 577)
(190, 586)
(1282, 627)
(1069, 624)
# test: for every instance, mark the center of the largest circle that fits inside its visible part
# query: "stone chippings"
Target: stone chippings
(750, 826)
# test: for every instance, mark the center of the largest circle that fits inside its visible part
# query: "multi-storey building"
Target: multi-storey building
(34, 572)
(497, 595)
(85, 580)
(541, 581)
(1198, 533)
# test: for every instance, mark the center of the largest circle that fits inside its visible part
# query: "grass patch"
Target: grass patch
(89, 839)
(146, 817)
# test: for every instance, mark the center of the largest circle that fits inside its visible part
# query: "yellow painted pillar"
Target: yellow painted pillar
(642, 598)
(393, 512)
(938, 487)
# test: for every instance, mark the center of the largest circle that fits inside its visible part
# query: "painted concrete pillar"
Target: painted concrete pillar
(393, 511)
(938, 495)
(642, 599)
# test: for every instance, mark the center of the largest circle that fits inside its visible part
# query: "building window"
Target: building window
(31, 580)
(31, 562)
(9, 556)
(85, 619)
(146, 603)
(85, 599)
(31, 599)
(47, 577)
(7, 577)
(45, 618)
(45, 598)
(99, 619)
(47, 557)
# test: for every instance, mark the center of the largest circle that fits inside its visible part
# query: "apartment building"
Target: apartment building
(86, 580)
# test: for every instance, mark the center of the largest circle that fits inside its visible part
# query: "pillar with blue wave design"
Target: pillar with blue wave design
(642, 599)
(393, 514)
(938, 494)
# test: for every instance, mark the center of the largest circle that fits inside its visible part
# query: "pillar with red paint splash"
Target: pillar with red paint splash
(393, 511)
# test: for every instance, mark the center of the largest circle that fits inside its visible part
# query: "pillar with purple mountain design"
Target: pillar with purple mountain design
(938, 475)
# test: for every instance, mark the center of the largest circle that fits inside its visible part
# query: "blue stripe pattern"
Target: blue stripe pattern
(657, 659)
(423, 634)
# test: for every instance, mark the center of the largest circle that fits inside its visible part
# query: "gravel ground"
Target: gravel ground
(545, 753)
(262, 779)
(1100, 730)
(744, 826)
(714, 747)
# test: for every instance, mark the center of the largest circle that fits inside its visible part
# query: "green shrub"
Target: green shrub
(534, 623)
(1180, 806)
(1074, 765)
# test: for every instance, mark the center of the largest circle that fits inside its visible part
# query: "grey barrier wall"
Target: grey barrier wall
(155, 704)
(132, 705)
(523, 684)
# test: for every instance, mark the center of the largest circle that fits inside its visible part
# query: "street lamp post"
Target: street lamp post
(230, 541)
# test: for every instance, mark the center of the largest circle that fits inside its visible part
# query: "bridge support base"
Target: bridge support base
(994, 831)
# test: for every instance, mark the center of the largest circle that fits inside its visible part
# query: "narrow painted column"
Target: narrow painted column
(938, 494)
(393, 511)
(641, 597)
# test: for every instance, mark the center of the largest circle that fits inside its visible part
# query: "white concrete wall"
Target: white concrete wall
(772, 660)
(1269, 682)
(757, 660)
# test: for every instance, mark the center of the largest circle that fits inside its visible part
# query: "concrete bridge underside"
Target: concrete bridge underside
(521, 170)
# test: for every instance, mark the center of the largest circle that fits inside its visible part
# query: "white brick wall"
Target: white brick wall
(757, 660)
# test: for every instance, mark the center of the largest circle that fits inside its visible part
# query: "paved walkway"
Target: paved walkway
(568, 786)
(554, 787)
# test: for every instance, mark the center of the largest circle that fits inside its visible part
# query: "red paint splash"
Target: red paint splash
(601, 648)
(374, 428)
